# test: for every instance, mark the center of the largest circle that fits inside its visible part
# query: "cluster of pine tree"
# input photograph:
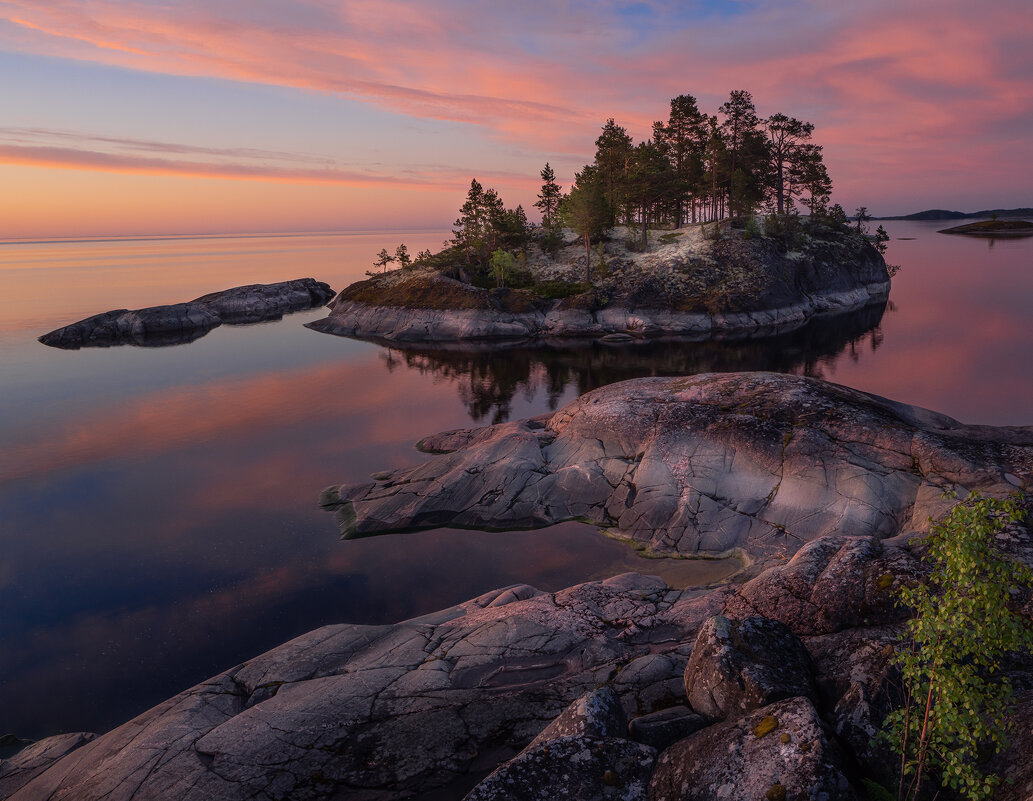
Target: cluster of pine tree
(696, 167)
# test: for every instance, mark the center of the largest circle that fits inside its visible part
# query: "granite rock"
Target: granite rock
(754, 463)
(179, 323)
(738, 666)
(784, 745)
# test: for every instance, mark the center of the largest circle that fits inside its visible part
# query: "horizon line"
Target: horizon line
(84, 239)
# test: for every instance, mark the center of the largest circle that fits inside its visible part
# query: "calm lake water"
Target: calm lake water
(158, 518)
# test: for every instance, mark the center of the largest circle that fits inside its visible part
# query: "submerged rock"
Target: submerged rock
(758, 463)
(179, 323)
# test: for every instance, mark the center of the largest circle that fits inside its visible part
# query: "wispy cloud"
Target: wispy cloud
(896, 88)
(68, 149)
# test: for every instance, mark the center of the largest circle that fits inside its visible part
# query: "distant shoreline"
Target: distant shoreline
(944, 214)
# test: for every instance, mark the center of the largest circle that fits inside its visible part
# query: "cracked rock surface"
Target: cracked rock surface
(184, 322)
(437, 703)
(758, 463)
(381, 712)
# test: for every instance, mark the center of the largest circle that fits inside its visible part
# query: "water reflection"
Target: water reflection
(489, 376)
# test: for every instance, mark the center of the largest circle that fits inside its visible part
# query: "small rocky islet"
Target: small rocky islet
(770, 686)
(993, 228)
(699, 281)
(180, 323)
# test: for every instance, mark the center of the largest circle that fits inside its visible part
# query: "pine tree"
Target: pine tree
(648, 184)
(612, 157)
(586, 211)
(481, 221)
(683, 139)
(747, 152)
(549, 197)
(402, 255)
(785, 137)
(383, 259)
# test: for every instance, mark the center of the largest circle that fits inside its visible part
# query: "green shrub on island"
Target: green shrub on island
(558, 290)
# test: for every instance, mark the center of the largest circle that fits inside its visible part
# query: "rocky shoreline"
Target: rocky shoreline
(180, 323)
(616, 689)
(399, 325)
(684, 285)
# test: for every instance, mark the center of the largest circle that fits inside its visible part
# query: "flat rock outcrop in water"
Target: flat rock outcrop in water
(383, 713)
(179, 323)
(756, 462)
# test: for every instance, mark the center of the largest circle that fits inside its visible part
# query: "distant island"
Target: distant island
(943, 214)
(993, 228)
(693, 232)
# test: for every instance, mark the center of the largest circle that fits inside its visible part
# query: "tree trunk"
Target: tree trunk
(588, 259)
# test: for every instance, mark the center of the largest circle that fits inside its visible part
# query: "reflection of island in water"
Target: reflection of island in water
(491, 375)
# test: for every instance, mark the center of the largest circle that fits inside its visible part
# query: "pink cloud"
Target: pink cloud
(897, 90)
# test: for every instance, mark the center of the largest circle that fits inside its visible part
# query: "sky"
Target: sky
(126, 117)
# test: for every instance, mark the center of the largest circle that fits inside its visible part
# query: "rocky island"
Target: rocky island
(698, 282)
(996, 228)
(696, 232)
(626, 688)
(179, 323)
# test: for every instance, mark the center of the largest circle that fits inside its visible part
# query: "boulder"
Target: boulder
(782, 751)
(831, 584)
(738, 666)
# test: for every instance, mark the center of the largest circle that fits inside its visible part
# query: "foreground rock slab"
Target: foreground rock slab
(436, 704)
(184, 322)
(754, 463)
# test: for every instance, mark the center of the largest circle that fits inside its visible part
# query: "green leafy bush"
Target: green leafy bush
(955, 698)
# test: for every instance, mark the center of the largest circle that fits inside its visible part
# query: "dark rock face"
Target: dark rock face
(784, 745)
(184, 322)
(739, 666)
(757, 462)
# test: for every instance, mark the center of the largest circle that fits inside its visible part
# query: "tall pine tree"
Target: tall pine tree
(549, 197)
